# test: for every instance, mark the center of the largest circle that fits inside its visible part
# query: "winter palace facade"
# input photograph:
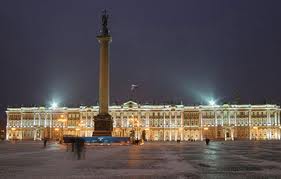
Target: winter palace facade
(151, 122)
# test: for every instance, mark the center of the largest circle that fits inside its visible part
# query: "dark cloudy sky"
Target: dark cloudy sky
(180, 50)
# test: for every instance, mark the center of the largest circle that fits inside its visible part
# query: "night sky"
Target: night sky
(189, 51)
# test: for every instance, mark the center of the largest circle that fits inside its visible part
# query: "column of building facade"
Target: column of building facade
(164, 118)
(175, 127)
(267, 122)
(114, 119)
(21, 124)
(86, 126)
(235, 117)
(39, 115)
(278, 117)
(276, 125)
(228, 116)
(45, 116)
(92, 122)
(231, 126)
(92, 119)
(170, 125)
(51, 123)
(221, 117)
(87, 123)
(271, 125)
(227, 124)
(181, 127)
(275, 118)
(127, 120)
(216, 124)
(80, 130)
(250, 123)
(201, 124)
(122, 124)
(34, 128)
(39, 123)
(148, 122)
(278, 121)
(140, 124)
(7, 126)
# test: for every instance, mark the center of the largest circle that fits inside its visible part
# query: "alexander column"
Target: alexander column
(103, 121)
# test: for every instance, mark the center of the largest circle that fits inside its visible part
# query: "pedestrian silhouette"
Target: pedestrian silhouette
(207, 141)
(45, 142)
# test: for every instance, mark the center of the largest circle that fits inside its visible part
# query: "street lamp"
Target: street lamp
(212, 102)
(54, 105)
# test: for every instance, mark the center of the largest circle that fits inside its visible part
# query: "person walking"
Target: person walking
(207, 140)
(45, 142)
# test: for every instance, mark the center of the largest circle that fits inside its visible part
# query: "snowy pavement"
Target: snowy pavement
(227, 159)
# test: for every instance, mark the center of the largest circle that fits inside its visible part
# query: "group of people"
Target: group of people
(78, 147)
(138, 141)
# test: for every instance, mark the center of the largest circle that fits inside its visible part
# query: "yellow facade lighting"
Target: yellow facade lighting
(255, 127)
(62, 118)
(206, 128)
(13, 129)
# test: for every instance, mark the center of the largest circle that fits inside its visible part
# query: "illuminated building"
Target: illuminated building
(153, 122)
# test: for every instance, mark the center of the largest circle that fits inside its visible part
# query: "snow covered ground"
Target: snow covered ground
(227, 159)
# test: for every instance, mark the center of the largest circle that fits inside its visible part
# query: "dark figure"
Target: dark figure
(79, 147)
(83, 150)
(207, 141)
(72, 145)
(45, 142)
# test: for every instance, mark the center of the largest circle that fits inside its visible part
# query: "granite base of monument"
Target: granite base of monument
(103, 125)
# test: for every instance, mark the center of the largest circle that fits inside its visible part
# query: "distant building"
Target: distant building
(152, 122)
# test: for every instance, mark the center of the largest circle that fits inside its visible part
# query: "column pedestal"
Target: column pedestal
(103, 125)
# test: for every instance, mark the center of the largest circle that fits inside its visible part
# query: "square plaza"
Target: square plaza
(219, 159)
